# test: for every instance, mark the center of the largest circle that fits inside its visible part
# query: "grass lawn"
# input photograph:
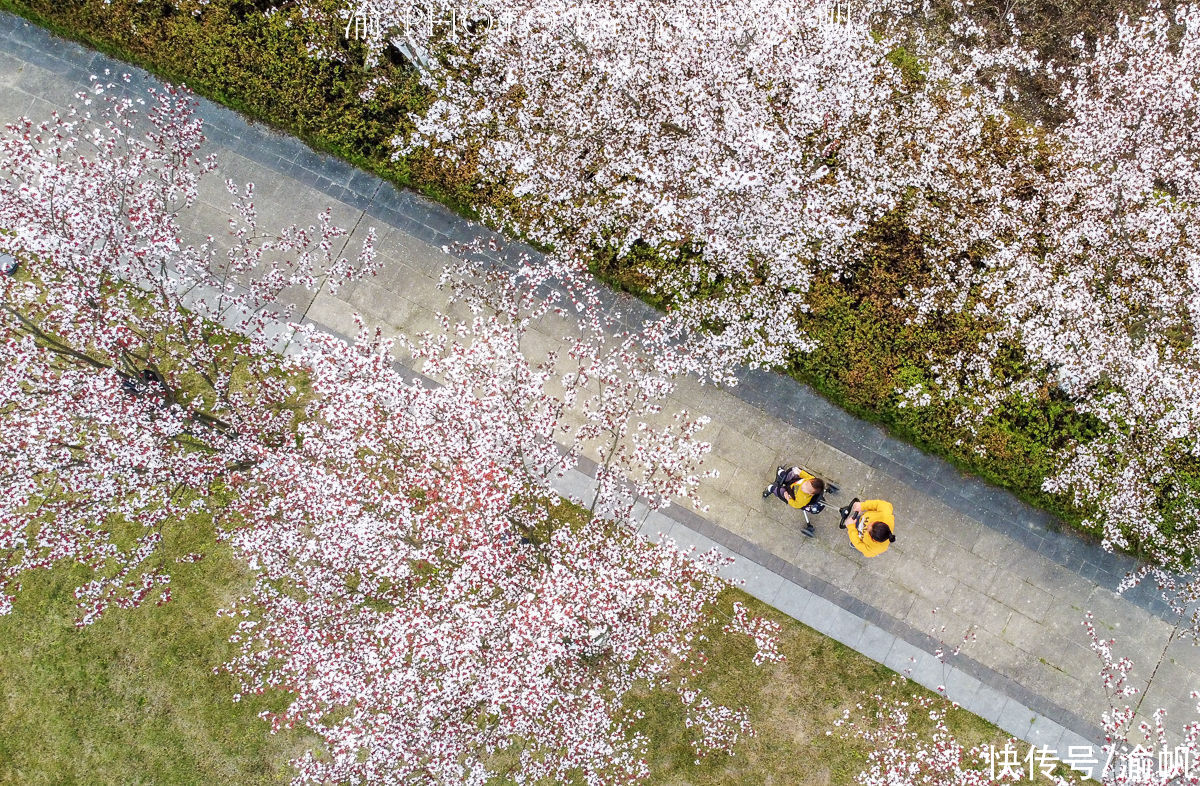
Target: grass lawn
(792, 706)
(133, 699)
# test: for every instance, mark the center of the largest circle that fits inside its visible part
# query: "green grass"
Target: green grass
(792, 705)
(133, 698)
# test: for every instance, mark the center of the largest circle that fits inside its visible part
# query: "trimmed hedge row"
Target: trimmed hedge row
(258, 64)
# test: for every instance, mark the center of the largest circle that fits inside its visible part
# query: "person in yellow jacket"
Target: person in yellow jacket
(872, 525)
(795, 486)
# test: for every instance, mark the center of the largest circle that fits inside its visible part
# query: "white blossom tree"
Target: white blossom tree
(753, 141)
(1094, 278)
(121, 405)
(903, 751)
(434, 606)
(421, 592)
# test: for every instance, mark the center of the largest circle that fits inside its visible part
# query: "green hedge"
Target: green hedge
(235, 54)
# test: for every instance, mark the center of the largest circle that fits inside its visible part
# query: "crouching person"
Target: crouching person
(871, 525)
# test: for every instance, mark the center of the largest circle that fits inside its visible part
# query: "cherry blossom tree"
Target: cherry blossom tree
(900, 754)
(429, 602)
(1137, 752)
(126, 395)
(1093, 279)
(752, 141)
(434, 607)
(1134, 751)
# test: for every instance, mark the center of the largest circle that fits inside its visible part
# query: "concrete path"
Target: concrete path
(974, 555)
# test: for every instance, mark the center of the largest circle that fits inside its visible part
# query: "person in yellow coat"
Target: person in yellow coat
(795, 486)
(872, 525)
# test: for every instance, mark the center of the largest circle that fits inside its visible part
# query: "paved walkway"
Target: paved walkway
(975, 554)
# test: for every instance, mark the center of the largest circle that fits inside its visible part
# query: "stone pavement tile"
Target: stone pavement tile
(988, 703)
(1066, 622)
(1016, 718)
(1045, 733)
(792, 600)
(231, 166)
(985, 613)
(402, 255)
(1184, 652)
(876, 643)
(657, 527)
(723, 484)
(1169, 690)
(965, 565)
(1175, 720)
(424, 261)
(961, 687)
(1064, 584)
(577, 484)
(927, 670)
(1065, 655)
(403, 280)
(839, 624)
(997, 548)
(753, 578)
(830, 463)
(1019, 595)
(744, 483)
(916, 543)
(819, 611)
(38, 81)
(878, 592)
(778, 540)
(829, 557)
(692, 395)
(13, 102)
(1116, 617)
(948, 524)
(720, 404)
(794, 443)
(685, 538)
(536, 346)
(1085, 700)
(765, 509)
(1006, 658)
(904, 657)
(878, 484)
(329, 310)
(731, 516)
(39, 109)
(399, 313)
(1071, 742)
(204, 218)
(945, 627)
(909, 571)
(11, 23)
(10, 69)
(735, 447)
